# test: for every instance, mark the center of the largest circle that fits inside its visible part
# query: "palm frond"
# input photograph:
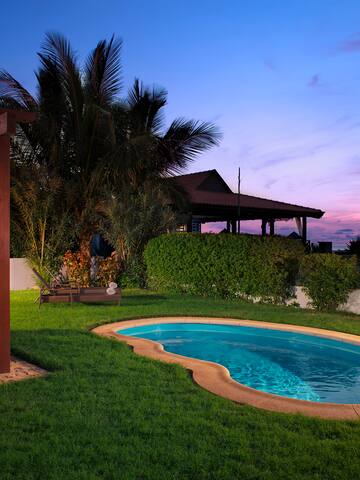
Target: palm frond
(145, 108)
(57, 50)
(102, 72)
(50, 91)
(183, 141)
(14, 95)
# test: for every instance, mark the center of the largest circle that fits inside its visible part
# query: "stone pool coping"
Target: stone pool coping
(216, 378)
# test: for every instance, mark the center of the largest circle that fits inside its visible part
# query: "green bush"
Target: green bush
(224, 265)
(328, 279)
(133, 275)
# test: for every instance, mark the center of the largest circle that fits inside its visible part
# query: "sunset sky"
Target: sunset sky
(280, 78)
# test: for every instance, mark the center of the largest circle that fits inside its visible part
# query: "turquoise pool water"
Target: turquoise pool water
(293, 365)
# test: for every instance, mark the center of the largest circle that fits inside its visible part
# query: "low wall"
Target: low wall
(21, 276)
(352, 305)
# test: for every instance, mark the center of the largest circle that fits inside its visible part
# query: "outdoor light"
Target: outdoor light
(8, 121)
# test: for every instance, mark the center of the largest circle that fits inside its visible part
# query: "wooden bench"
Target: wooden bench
(69, 294)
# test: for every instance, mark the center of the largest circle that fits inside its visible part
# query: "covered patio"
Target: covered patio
(210, 199)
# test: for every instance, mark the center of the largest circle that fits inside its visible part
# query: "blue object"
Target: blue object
(293, 365)
(99, 246)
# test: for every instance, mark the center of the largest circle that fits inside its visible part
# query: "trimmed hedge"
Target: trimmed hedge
(224, 265)
(328, 279)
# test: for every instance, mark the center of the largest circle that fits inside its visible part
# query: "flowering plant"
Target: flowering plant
(84, 271)
(108, 270)
(78, 266)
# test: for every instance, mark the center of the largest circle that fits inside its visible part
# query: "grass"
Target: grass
(105, 413)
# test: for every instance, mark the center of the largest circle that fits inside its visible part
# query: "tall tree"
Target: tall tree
(88, 141)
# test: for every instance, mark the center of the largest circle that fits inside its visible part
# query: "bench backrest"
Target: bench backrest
(42, 279)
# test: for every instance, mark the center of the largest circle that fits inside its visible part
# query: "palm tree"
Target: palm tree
(146, 150)
(90, 142)
(73, 133)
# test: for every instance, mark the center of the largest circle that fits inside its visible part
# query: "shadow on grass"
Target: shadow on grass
(59, 349)
(142, 299)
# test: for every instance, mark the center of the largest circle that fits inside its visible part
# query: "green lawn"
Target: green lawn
(104, 412)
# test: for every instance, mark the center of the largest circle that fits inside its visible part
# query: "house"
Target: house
(210, 199)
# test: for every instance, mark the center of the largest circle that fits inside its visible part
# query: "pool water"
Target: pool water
(290, 364)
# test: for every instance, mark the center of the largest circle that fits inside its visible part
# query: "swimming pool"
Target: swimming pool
(293, 365)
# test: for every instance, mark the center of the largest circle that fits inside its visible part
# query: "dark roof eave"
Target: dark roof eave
(262, 212)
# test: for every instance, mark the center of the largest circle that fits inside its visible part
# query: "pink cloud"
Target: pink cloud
(314, 81)
(351, 45)
(337, 227)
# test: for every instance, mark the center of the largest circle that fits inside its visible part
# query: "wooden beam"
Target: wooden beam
(19, 116)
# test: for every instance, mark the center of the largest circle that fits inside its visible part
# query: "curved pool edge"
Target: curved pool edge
(216, 378)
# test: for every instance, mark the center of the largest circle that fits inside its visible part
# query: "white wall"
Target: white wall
(21, 276)
(352, 305)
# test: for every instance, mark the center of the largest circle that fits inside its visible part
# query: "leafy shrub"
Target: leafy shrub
(225, 265)
(134, 273)
(328, 279)
(82, 272)
(107, 270)
(353, 247)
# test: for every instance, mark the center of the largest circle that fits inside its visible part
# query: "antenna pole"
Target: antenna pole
(239, 181)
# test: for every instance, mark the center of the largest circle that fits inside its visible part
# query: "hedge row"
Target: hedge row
(225, 265)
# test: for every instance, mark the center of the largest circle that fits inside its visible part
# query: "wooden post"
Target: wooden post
(228, 226)
(8, 120)
(272, 227)
(233, 226)
(263, 227)
(304, 230)
(4, 253)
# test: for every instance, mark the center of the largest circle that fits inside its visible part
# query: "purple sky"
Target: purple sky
(281, 79)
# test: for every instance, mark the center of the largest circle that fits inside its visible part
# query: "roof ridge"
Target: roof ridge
(195, 173)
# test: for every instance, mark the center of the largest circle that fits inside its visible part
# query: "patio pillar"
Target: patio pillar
(263, 227)
(8, 120)
(4, 252)
(272, 227)
(304, 230)
(233, 226)
(228, 226)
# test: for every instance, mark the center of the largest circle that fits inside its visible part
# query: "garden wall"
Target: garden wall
(21, 276)
(303, 301)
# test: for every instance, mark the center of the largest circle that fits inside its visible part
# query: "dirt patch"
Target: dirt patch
(20, 370)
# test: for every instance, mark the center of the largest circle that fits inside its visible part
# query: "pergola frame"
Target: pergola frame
(8, 121)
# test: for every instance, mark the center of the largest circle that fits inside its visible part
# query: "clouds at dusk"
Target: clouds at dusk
(270, 64)
(281, 82)
(324, 230)
(350, 45)
(314, 81)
